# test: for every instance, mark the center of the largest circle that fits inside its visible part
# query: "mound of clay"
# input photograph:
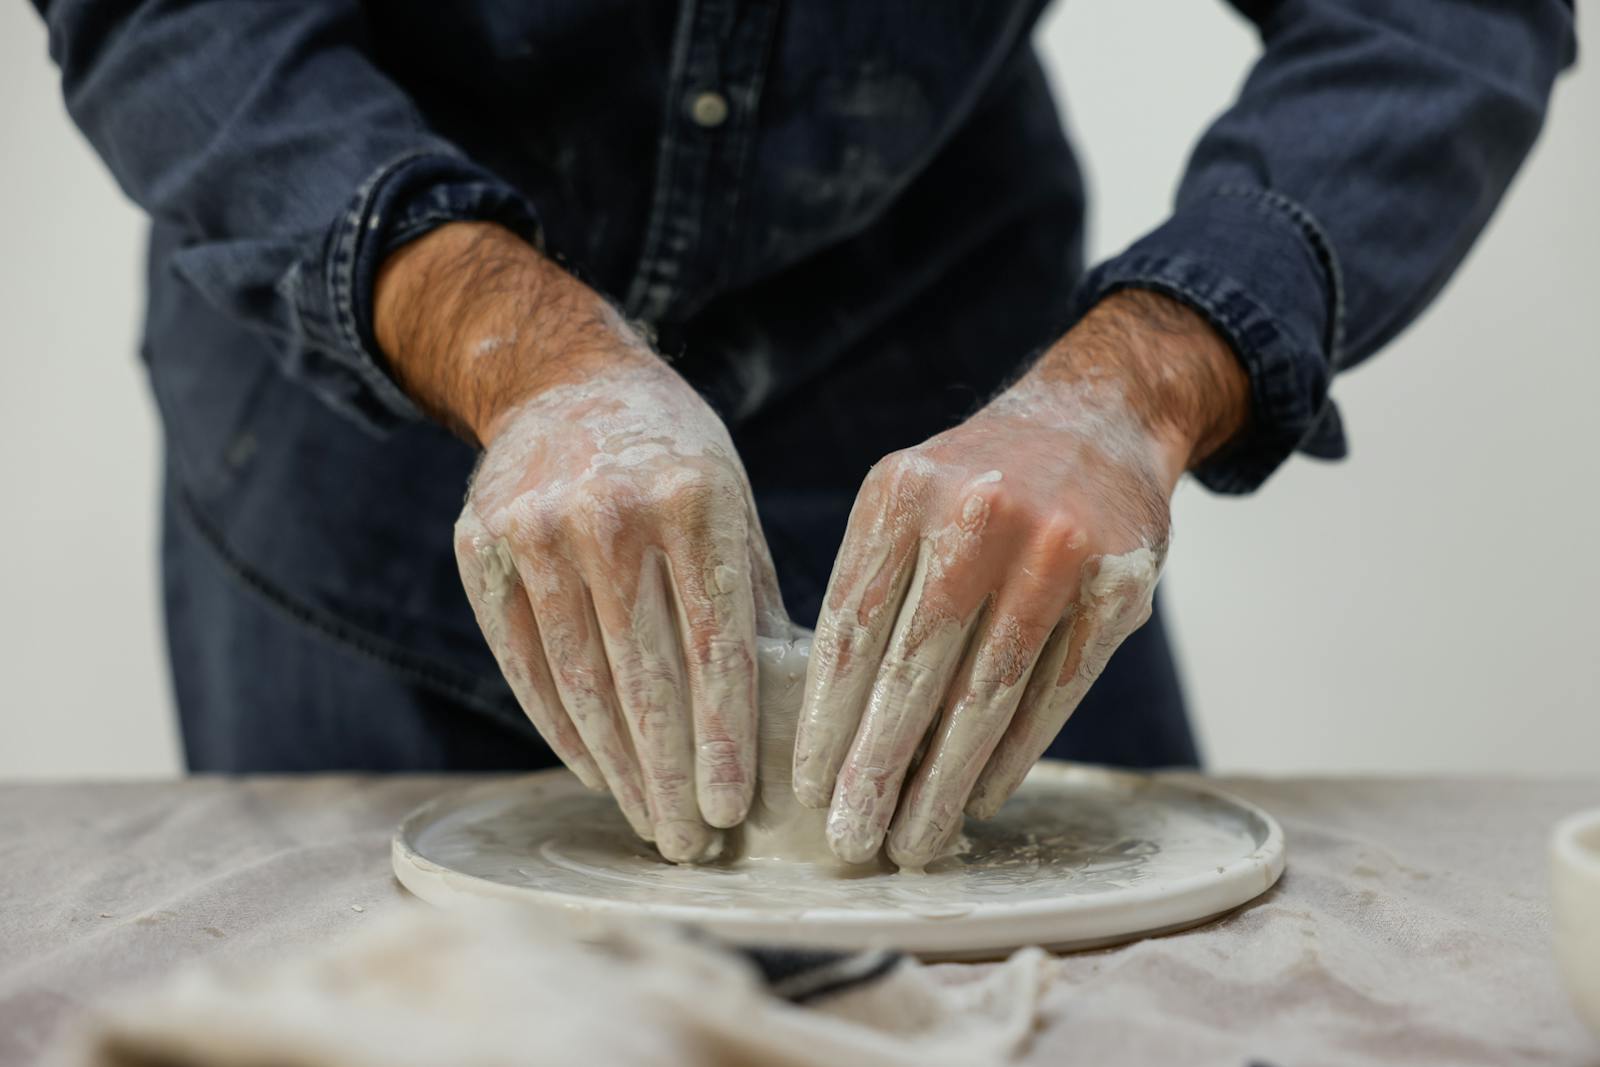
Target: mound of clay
(778, 828)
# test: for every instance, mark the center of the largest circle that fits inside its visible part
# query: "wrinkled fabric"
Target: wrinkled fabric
(1411, 926)
(424, 987)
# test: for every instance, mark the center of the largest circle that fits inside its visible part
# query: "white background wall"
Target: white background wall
(1428, 605)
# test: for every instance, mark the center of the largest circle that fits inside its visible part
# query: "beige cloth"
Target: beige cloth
(1412, 925)
(423, 988)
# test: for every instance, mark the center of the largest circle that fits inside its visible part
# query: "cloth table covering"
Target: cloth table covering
(1411, 927)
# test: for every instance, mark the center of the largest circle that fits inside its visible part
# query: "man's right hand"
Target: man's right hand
(609, 544)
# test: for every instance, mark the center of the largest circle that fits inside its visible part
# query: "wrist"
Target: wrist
(474, 321)
(1179, 376)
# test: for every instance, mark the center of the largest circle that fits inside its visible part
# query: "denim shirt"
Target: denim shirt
(768, 187)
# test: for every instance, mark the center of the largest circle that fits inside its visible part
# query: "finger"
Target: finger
(1110, 607)
(924, 651)
(1062, 677)
(712, 590)
(639, 630)
(496, 595)
(865, 593)
(571, 639)
(983, 700)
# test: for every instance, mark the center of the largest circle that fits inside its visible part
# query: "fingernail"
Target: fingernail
(809, 790)
(687, 841)
(725, 804)
(852, 838)
(912, 847)
(984, 803)
(587, 772)
(811, 795)
(638, 821)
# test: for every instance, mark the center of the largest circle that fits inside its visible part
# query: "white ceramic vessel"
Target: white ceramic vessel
(1080, 857)
(1575, 900)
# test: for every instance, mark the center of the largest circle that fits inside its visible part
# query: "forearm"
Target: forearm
(609, 544)
(474, 320)
(1175, 373)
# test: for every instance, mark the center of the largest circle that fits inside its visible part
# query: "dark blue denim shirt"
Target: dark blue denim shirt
(820, 208)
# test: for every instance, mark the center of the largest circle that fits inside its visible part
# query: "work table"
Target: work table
(1412, 925)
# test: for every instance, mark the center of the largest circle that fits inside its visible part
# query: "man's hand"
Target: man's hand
(988, 574)
(609, 544)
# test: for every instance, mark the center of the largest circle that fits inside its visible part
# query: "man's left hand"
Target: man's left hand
(987, 575)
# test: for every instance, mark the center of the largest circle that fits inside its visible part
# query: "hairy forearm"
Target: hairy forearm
(474, 320)
(1177, 374)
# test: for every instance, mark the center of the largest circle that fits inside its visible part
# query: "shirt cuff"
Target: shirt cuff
(400, 202)
(1262, 272)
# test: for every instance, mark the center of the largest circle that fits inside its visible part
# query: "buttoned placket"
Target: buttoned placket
(720, 55)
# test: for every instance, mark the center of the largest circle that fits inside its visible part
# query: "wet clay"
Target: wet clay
(779, 829)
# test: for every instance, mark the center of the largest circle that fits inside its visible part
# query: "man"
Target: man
(686, 274)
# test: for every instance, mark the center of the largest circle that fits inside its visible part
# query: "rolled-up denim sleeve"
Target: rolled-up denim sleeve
(1324, 209)
(266, 134)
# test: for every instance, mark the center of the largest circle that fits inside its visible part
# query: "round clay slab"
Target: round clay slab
(1080, 857)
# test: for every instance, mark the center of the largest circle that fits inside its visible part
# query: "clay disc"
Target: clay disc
(1081, 857)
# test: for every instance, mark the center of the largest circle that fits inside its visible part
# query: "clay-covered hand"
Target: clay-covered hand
(610, 548)
(988, 574)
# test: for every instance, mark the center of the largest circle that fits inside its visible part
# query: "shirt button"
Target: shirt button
(709, 109)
